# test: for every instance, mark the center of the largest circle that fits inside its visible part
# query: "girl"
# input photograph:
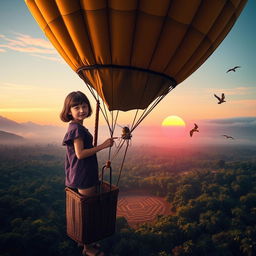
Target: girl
(81, 166)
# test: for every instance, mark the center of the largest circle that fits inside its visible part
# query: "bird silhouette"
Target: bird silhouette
(222, 99)
(228, 137)
(195, 129)
(233, 69)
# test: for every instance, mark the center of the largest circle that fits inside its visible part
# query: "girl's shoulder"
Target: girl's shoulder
(74, 131)
(74, 126)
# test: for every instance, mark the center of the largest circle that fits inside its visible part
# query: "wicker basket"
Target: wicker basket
(90, 219)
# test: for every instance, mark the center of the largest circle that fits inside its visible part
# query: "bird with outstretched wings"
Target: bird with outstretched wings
(227, 136)
(195, 129)
(233, 69)
(222, 99)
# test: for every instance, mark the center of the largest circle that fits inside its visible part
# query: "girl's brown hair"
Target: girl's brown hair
(74, 99)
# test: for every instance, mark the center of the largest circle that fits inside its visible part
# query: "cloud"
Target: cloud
(28, 40)
(15, 87)
(243, 90)
(21, 87)
(27, 49)
(58, 59)
(37, 47)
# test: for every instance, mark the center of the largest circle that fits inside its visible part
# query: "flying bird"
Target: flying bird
(195, 129)
(228, 137)
(233, 69)
(222, 99)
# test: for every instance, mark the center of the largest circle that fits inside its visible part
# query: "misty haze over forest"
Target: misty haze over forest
(211, 131)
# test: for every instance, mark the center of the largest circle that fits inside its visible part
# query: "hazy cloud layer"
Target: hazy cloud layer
(210, 132)
(243, 129)
(234, 122)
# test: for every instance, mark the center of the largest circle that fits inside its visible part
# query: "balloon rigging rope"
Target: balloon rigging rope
(134, 118)
(115, 120)
(104, 112)
(106, 117)
(122, 164)
(147, 111)
(141, 118)
(118, 149)
(135, 122)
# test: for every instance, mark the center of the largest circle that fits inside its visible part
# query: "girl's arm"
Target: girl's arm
(82, 152)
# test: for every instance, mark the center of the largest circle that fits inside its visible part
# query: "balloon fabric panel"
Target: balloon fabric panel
(122, 30)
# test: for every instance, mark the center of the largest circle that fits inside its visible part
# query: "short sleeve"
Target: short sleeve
(71, 135)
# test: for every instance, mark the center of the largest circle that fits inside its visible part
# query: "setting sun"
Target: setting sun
(173, 121)
(173, 127)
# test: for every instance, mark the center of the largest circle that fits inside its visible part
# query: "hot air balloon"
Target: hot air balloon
(131, 54)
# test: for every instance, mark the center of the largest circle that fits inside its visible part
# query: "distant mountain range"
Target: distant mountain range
(9, 125)
(32, 131)
(7, 137)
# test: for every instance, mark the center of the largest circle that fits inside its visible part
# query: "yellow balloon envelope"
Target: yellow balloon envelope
(135, 51)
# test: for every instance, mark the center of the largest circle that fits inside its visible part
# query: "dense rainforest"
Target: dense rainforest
(212, 192)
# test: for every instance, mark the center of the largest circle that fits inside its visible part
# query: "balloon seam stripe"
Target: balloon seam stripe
(84, 14)
(166, 17)
(206, 37)
(190, 26)
(134, 32)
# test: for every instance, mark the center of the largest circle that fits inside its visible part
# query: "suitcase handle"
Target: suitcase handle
(107, 165)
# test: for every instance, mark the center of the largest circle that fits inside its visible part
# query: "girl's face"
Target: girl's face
(79, 112)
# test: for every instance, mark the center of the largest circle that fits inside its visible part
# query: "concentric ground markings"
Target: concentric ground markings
(139, 209)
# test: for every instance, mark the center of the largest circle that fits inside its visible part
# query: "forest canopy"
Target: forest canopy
(212, 193)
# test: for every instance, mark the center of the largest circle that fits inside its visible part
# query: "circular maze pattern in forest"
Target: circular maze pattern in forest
(140, 209)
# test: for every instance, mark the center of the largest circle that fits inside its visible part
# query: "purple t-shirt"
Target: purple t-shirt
(80, 173)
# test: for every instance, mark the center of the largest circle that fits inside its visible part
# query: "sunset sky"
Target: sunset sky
(34, 80)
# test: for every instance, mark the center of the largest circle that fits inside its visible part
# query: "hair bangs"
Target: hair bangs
(78, 99)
